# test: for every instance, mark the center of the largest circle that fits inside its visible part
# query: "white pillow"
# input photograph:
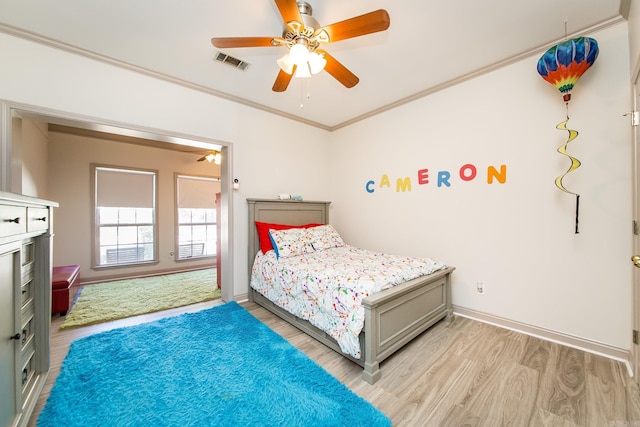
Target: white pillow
(291, 242)
(324, 237)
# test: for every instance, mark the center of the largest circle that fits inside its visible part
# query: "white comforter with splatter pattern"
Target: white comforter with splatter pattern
(327, 287)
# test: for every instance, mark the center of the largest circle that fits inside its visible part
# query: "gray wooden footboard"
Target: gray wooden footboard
(396, 316)
(392, 317)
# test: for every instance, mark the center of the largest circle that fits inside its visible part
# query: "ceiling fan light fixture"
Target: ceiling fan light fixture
(286, 64)
(303, 71)
(313, 65)
(316, 62)
(299, 53)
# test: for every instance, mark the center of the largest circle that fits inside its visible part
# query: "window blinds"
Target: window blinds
(124, 188)
(197, 192)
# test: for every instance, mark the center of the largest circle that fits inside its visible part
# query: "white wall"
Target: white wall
(265, 159)
(517, 237)
(634, 36)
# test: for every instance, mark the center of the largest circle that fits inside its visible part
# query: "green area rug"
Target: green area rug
(216, 367)
(107, 301)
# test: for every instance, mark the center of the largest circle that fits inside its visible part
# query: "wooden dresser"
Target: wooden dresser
(26, 239)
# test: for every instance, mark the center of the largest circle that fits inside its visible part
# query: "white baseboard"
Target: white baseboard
(615, 353)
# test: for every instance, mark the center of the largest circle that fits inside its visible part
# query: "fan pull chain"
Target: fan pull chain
(304, 84)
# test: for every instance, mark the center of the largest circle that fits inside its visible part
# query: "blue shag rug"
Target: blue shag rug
(216, 367)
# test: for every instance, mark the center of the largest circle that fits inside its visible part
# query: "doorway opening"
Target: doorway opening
(13, 155)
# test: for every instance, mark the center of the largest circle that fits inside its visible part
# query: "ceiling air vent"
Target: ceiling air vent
(234, 62)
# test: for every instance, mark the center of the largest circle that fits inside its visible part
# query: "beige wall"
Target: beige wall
(69, 160)
(34, 159)
(29, 147)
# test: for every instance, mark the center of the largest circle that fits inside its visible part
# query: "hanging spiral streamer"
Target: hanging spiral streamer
(575, 164)
(562, 65)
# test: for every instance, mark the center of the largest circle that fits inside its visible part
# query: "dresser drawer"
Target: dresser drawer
(26, 291)
(27, 335)
(27, 313)
(27, 375)
(37, 219)
(13, 220)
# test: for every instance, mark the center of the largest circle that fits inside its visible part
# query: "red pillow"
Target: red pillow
(263, 233)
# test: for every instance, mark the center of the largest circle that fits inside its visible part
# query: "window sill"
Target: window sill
(129, 265)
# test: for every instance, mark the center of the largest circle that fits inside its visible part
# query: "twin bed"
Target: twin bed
(366, 325)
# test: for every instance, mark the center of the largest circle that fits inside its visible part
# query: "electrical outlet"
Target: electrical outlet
(480, 287)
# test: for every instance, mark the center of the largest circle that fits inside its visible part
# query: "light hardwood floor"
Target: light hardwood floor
(463, 373)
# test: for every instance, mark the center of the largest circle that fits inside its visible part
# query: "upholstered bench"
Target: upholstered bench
(64, 285)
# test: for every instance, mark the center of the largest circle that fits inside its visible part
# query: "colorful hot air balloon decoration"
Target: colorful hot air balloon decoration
(562, 66)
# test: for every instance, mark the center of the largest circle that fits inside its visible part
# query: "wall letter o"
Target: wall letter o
(468, 172)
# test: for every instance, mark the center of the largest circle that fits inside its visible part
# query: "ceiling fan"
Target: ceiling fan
(211, 156)
(303, 36)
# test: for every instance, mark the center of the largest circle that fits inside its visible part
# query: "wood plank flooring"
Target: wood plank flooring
(463, 373)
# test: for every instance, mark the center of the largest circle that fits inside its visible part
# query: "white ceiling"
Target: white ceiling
(429, 44)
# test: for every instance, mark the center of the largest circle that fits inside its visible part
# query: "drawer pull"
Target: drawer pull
(16, 220)
(43, 219)
(25, 375)
(15, 337)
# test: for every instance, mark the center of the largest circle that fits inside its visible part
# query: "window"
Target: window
(124, 215)
(196, 212)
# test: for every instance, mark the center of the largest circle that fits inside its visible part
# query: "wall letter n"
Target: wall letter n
(492, 172)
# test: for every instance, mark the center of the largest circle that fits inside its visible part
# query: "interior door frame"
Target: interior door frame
(634, 353)
(9, 109)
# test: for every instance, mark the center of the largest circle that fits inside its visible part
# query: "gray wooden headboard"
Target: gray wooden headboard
(292, 212)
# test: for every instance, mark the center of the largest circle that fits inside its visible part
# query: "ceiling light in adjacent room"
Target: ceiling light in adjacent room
(213, 157)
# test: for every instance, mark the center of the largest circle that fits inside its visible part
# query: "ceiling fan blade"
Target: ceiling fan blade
(339, 71)
(227, 42)
(282, 81)
(289, 10)
(368, 23)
